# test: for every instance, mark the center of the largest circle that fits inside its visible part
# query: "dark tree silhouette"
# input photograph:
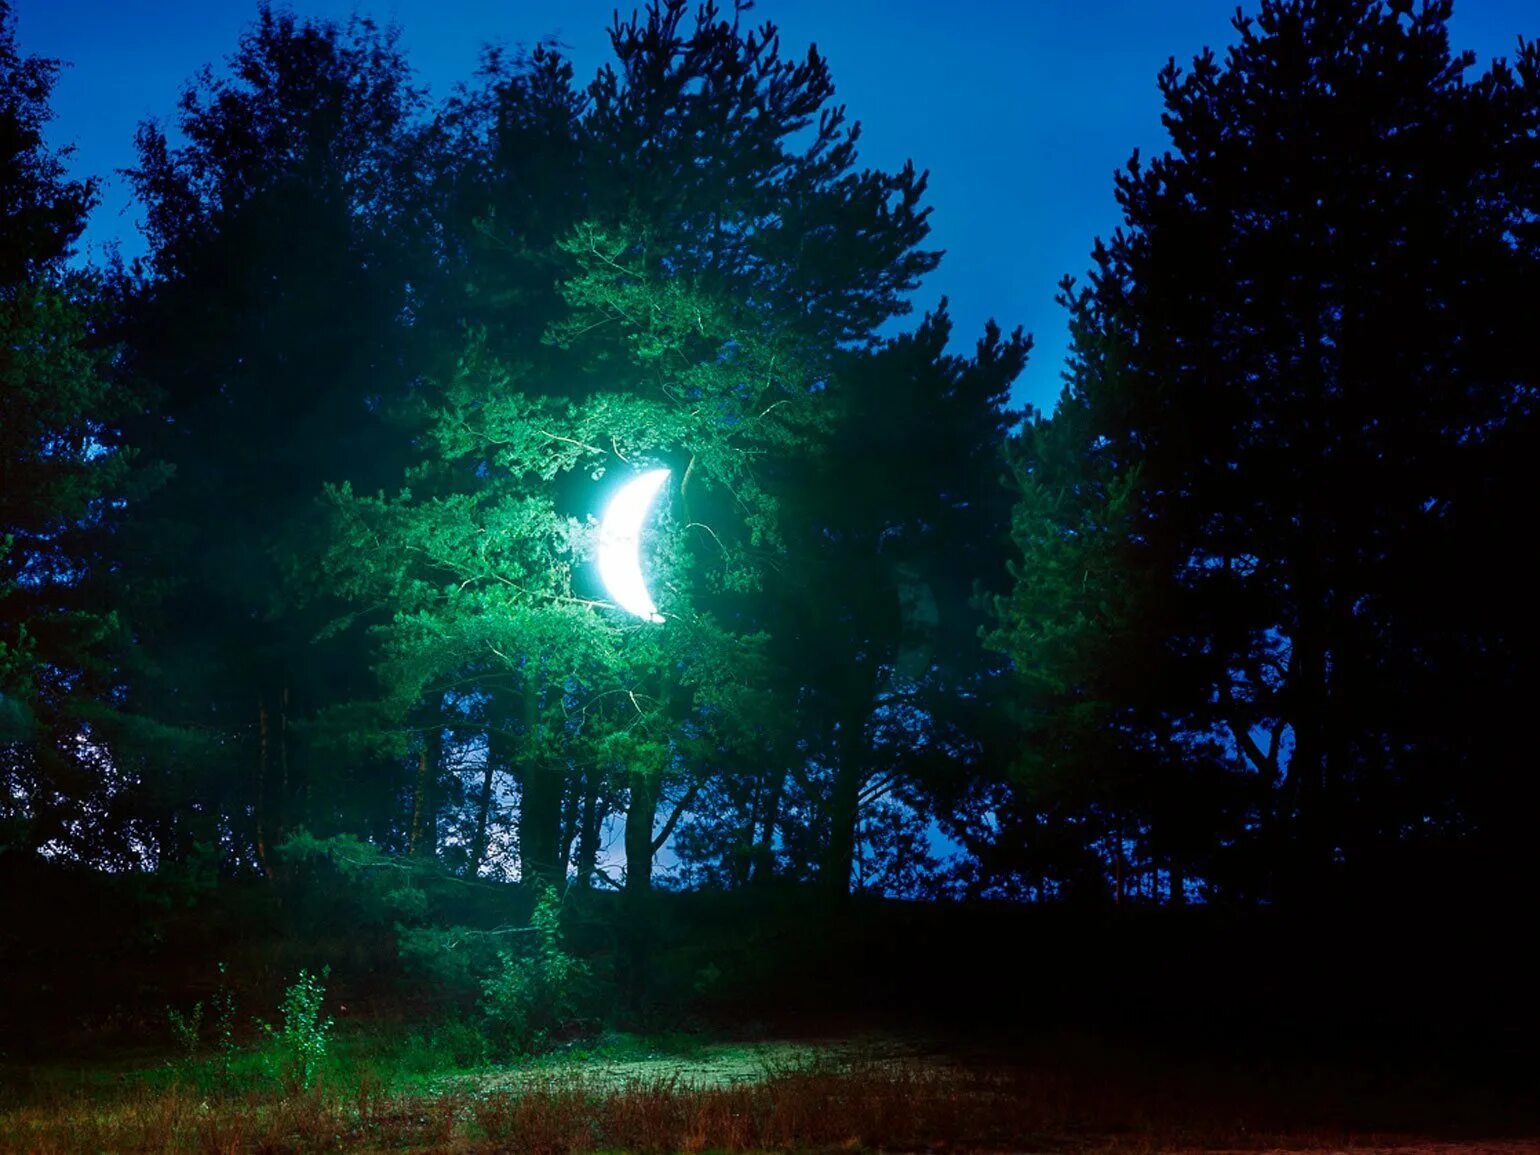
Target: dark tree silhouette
(1294, 359)
(272, 322)
(64, 472)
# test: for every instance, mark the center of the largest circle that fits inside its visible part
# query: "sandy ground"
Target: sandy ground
(712, 1065)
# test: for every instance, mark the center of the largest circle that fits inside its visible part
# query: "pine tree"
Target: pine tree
(727, 256)
(1317, 299)
(65, 472)
(896, 516)
(271, 318)
(1101, 783)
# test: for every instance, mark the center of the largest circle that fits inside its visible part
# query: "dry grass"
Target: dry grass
(894, 1106)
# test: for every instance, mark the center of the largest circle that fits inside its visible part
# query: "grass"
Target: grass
(903, 1107)
(412, 1091)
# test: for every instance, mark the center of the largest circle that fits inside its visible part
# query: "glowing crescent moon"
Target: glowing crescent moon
(620, 544)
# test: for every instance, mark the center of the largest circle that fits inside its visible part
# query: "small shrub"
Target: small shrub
(187, 1033)
(222, 1004)
(298, 1047)
(533, 993)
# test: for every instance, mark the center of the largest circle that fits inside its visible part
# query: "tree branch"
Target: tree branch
(673, 821)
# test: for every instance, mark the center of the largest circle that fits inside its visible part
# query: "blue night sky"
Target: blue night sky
(1020, 109)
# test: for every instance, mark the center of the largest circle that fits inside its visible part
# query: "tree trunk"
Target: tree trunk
(261, 799)
(1307, 765)
(742, 861)
(588, 830)
(283, 763)
(635, 926)
(539, 801)
(423, 839)
(571, 817)
(641, 816)
(419, 789)
(540, 824)
(763, 868)
(483, 813)
(844, 809)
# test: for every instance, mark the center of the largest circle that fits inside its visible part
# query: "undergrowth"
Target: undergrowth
(907, 1106)
(383, 1086)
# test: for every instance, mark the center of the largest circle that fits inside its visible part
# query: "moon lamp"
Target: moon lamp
(620, 544)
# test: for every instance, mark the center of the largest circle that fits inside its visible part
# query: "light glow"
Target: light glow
(620, 544)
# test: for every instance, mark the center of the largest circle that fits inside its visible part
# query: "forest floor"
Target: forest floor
(687, 1093)
(702, 1063)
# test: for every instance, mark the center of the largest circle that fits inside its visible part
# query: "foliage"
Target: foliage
(66, 470)
(451, 1045)
(1240, 535)
(298, 1046)
(536, 991)
(222, 1006)
(186, 1032)
(269, 318)
(671, 313)
(816, 1100)
(879, 677)
(1096, 763)
(302, 649)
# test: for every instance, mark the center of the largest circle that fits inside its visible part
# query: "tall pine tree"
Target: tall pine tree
(271, 318)
(65, 473)
(728, 256)
(1319, 300)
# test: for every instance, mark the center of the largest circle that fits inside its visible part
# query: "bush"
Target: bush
(535, 992)
(453, 1045)
(300, 1044)
(223, 1006)
(187, 1032)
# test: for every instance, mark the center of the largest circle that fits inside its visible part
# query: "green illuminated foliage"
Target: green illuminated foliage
(297, 1047)
(684, 320)
(536, 990)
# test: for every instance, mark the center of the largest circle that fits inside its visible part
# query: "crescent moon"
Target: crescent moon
(620, 544)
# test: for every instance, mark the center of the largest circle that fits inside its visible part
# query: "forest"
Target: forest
(982, 777)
